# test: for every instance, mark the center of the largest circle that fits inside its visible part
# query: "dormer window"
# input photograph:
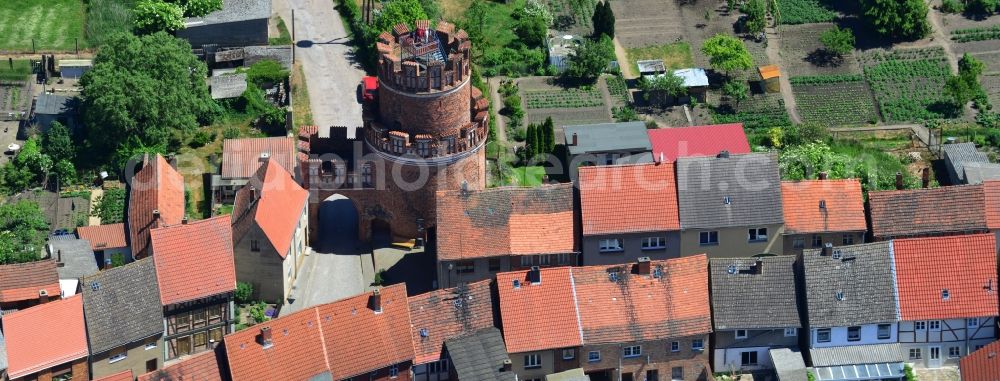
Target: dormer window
(822, 204)
(840, 296)
(727, 200)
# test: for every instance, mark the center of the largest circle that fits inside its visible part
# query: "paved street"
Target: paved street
(322, 47)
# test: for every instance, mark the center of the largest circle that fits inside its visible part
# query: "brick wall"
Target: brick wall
(80, 372)
(438, 114)
(655, 355)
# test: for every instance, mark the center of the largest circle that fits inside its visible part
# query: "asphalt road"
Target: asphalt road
(322, 48)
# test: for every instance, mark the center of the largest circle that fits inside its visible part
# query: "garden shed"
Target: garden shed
(74, 68)
(769, 77)
(52, 107)
(695, 81)
(238, 23)
(651, 67)
(560, 49)
(957, 156)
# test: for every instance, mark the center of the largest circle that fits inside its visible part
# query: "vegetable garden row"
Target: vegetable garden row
(569, 98)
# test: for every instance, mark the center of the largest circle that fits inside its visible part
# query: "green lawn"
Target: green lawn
(20, 71)
(528, 176)
(675, 55)
(55, 25)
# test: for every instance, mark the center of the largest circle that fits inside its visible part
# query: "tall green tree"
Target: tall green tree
(838, 41)
(58, 144)
(22, 232)
(531, 30)
(736, 90)
(756, 11)
(550, 135)
(660, 88)
(198, 8)
(397, 12)
(898, 19)
(531, 142)
(143, 88)
(727, 53)
(151, 16)
(603, 20)
(983, 6)
(589, 59)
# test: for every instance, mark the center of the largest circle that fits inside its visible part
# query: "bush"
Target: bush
(117, 260)
(258, 312)
(110, 207)
(266, 73)
(231, 133)
(244, 291)
(201, 138)
(952, 6)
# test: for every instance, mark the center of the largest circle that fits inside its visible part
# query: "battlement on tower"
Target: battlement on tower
(424, 60)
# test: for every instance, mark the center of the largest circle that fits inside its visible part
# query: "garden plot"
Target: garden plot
(804, 12)
(759, 111)
(565, 106)
(572, 16)
(640, 23)
(991, 59)
(15, 96)
(908, 84)
(566, 98)
(53, 25)
(801, 51)
(841, 101)
(991, 83)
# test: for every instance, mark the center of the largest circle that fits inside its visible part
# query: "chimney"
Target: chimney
(43, 296)
(899, 181)
(507, 365)
(642, 266)
(184, 221)
(265, 337)
(156, 214)
(573, 141)
(375, 301)
(264, 156)
(59, 256)
(827, 249)
(822, 175)
(723, 154)
(925, 177)
(534, 275)
(758, 267)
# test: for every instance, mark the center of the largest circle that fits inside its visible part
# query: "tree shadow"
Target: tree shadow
(824, 58)
(865, 35)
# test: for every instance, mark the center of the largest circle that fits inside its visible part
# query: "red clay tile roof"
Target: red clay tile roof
(203, 366)
(964, 265)
(103, 237)
(982, 365)
(345, 338)
(507, 220)
(953, 209)
(120, 376)
(278, 209)
(297, 351)
(194, 260)
(22, 281)
(539, 316)
(242, 157)
(446, 314)
(157, 186)
(677, 142)
(628, 198)
(991, 191)
(44, 336)
(360, 341)
(844, 206)
(641, 307)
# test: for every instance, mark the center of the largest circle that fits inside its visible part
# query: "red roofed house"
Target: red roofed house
(205, 366)
(270, 229)
(648, 320)
(822, 211)
(947, 297)
(241, 158)
(628, 212)
(23, 285)
(541, 321)
(47, 342)
(928, 212)
(669, 144)
(364, 336)
(488, 231)
(121, 376)
(197, 279)
(107, 241)
(442, 315)
(983, 364)
(156, 198)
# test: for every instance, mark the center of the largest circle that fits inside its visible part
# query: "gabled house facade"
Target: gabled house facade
(156, 198)
(818, 212)
(124, 319)
(485, 232)
(47, 341)
(628, 212)
(442, 315)
(730, 205)
(947, 297)
(755, 310)
(270, 232)
(605, 144)
(197, 279)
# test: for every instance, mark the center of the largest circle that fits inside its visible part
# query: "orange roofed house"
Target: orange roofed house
(818, 212)
(205, 366)
(107, 241)
(484, 232)
(156, 198)
(242, 158)
(23, 285)
(360, 337)
(47, 342)
(270, 228)
(442, 315)
(646, 320)
(628, 212)
(197, 279)
(983, 364)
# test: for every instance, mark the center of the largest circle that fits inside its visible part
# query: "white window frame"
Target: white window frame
(754, 235)
(819, 335)
(915, 354)
(118, 357)
(568, 354)
(705, 238)
(632, 351)
(611, 245)
(934, 325)
(956, 353)
(791, 332)
(654, 243)
(698, 345)
(972, 323)
(532, 361)
(675, 346)
(593, 356)
(740, 336)
(919, 326)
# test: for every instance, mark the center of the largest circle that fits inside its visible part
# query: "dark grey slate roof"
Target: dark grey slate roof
(961, 153)
(856, 354)
(51, 104)
(976, 173)
(604, 137)
(642, 158)
(124, 308)
(233, 11)
(3, 354)
(747, 294)
(864, 274)
(751, 181)
(76, 256)
(788, 364)
(228, 85)
(479, 356)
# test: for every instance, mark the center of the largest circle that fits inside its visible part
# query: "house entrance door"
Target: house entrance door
(934, 357)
